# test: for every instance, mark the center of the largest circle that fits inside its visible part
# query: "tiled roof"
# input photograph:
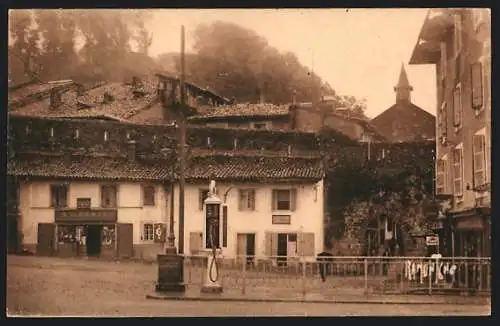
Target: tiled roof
(18, 94)
(91, 105)
(253, 168)
(198, 168)
(242, 110)
(86, 167)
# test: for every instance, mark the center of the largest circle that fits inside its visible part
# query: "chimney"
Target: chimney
(80, 90)
(55, 98)
(131, 150)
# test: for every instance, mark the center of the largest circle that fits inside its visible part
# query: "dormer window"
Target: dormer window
(28, 130)
(106, 136)
(209, 142)
(128, 135)
(77, 134)
(235, 143)
(51, 132)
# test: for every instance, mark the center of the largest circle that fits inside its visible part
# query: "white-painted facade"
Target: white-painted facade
(306, 217)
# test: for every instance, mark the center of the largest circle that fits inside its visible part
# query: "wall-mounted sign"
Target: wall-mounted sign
(281, 219)
(81, 216)
(432, 240)
(160, 232)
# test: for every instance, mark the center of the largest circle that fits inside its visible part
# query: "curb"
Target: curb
(275, 300)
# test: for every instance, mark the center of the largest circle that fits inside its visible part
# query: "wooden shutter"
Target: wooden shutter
(195, 242)
(274, 200)
(201, 199)
(293, 199)
(271, 243)
(457, 172)
(479, 160)
(45, 245)
(125, 236)
(441, 176)
(306, 244)
(477, 85)
(444, 60)
(252, 199)
(457, 106)
(240, 199)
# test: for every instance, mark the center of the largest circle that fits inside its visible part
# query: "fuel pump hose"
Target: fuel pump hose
(213, 264)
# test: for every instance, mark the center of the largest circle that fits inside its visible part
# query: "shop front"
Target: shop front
(85, 232)
(472, 233)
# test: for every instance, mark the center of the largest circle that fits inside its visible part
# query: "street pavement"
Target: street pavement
(73, 287)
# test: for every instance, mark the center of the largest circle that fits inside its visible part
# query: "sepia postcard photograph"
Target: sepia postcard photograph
(248, 162)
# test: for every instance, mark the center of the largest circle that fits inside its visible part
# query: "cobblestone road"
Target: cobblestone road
(51, 286)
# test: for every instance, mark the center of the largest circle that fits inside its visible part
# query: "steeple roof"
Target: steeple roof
(403, 88)
(403, 78)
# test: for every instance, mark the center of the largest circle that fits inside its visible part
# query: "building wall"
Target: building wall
(308, 216)
(474, 49)
(35, 207)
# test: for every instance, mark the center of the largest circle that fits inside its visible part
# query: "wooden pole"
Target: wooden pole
(182, 144)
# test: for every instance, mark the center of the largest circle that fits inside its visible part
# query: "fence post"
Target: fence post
(366, 275)
(244, 276)
(304, 278)
(429, 272)
(401, 285)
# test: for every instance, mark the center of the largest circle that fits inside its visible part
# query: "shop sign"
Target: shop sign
(432, 240)
(470, 223)
(72, 216)
(159, 233)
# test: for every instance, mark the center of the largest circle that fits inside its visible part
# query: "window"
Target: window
(106, 136)
(457, 33)
(479, 145)
(235, 143)
(83, 203)
(108, 196)
(283, 199)
(59, 195)
(203, 194)
(477, 85)
(148, 195)
(148, 232)
(77, 134)
(246, 200)
(51, 132)
(458, 171)
(457, 106)
(260, 125)
(27, 130)
(441, 176)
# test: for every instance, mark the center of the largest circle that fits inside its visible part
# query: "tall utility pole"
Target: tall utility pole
(182, 145)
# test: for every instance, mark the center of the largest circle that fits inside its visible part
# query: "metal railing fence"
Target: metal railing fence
(346, 275)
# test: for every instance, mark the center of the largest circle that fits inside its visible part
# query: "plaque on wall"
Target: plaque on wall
(281, 219)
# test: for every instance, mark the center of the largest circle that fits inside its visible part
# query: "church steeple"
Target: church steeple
(403, 88)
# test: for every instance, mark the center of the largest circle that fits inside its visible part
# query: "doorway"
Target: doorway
(93, 240)
(282, 248)
(246, 247)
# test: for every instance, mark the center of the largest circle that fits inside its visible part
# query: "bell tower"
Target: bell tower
(403, 88)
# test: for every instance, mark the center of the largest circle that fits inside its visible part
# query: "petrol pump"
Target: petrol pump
(212, 211)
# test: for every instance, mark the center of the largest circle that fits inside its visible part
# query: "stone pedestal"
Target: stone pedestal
(212, 280)
(170, 273)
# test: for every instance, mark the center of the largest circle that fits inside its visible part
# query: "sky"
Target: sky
(359, 52)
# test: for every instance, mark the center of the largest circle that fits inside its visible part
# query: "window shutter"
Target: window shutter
(195, 242)
(457, 172)
(252, 196)
(457, 106)
(444, 60)
(240, 199)
(477, 85)
(53, 195)
(268, 243)
(306, 244)
(200, 192)
(479, 160)
(293, 199)
(274, 200)
(274, 244)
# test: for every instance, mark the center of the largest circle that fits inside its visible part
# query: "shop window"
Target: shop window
(59, 195)
(108, 196)
(148, 232)
(66, 234)
(148, 193)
